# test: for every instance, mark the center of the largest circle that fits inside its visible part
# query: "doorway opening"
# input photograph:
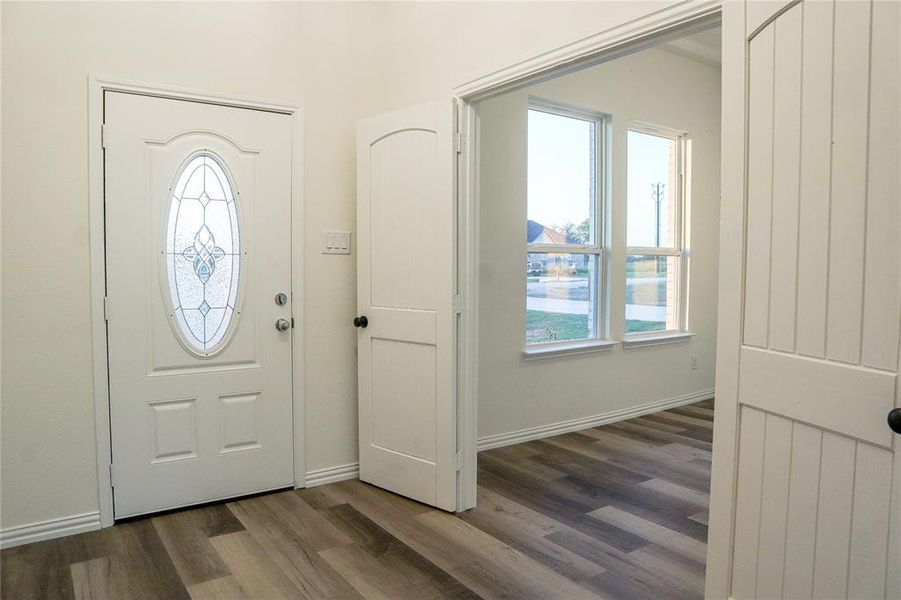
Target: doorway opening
(598, 234)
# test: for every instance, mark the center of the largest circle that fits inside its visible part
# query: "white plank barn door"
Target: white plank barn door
(806, 475)
(405, 285)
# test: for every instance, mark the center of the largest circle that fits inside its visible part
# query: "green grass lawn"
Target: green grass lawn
(647, 294)
(559, 327)
(633, 326)
(632, 271)
(554, 327)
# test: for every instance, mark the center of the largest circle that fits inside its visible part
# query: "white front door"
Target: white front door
(405, 288)
(198, 245)
(813, 497)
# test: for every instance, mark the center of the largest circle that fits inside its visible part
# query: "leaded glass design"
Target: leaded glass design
(203, 253)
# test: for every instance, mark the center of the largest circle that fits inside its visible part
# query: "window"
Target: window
(655, 256)
(565, 253)
(202, 251)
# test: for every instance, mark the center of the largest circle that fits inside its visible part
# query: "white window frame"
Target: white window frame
(599, 211)
(679, 248)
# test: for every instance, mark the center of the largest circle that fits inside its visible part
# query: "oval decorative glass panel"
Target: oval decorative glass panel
(203, 255)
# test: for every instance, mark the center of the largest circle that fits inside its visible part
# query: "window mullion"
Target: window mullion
(561, 249)
(639, 250)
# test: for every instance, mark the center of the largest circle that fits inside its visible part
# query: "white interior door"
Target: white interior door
(405, 287)
(198, 244)
(815, 370)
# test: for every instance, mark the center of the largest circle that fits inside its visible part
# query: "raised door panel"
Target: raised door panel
(404, 241)
(194, 307)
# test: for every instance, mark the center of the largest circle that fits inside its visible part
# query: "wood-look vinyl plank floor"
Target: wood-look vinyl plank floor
(618, 511)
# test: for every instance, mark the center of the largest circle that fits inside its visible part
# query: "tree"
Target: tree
(577, 234)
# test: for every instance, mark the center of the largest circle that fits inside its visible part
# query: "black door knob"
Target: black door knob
(894, 420)
(361, 321)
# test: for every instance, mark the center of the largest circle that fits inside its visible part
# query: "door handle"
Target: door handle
(283, 324)
(361, 321)
(894, 420)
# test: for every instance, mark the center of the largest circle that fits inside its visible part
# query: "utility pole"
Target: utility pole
(657, 193)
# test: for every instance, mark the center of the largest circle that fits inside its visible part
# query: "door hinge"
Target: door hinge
(103, 135)
(112, 475)
(106, 308)
(458, 304)
(458, 142)
(458, 461)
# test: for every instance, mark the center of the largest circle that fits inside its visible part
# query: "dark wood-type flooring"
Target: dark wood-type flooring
(618, 511)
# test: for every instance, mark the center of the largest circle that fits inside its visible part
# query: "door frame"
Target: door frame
(97, 86)
(674, 21)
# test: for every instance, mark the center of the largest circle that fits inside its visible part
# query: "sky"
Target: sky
(559, 172)
(559, 185)
(648, 164)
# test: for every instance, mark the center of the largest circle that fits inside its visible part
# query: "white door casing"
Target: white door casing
(405, 286)
(806, 490)
(189, 425)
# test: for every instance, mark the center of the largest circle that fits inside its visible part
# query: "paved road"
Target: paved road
(641, 312)
(638, 312)
(577, 287)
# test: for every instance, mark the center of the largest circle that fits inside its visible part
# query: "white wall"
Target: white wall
(654, 87)
(341, 61)
(302, 53)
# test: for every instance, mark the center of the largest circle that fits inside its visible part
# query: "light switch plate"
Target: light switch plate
(335, 242)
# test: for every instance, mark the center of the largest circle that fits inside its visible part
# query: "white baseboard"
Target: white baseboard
(54, 528)
(542, 431)
(332, 474)
(47, 530)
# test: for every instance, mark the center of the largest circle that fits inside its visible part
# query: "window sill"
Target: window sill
(656, 340)
(554, 350)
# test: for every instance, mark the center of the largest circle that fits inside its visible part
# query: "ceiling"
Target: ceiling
(704, 46)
